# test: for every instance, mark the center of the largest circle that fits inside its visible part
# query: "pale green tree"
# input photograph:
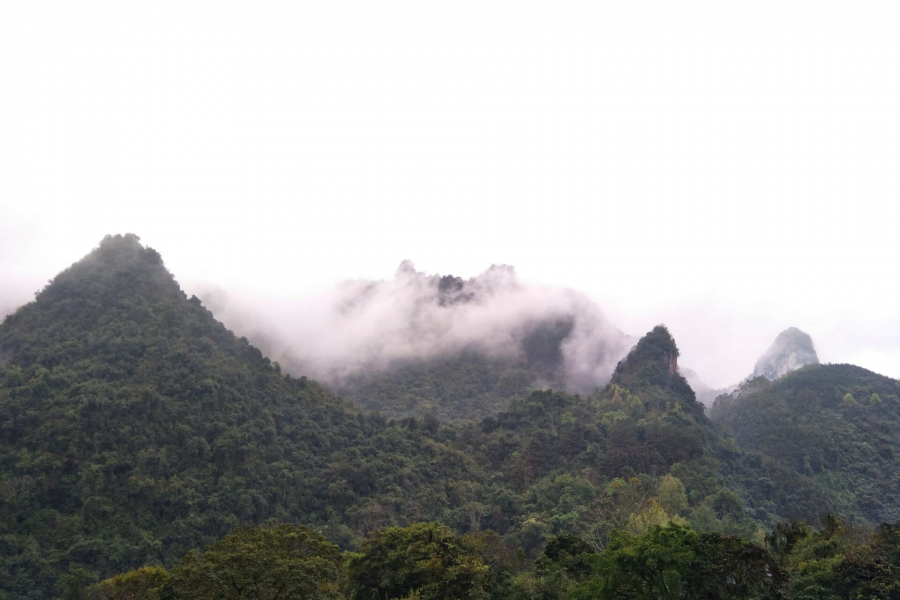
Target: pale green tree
(672, 496)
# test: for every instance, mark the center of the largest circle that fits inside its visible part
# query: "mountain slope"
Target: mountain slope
(133, 427)
(839, 425)
(455, 388)
(768, 491)
(421, 344)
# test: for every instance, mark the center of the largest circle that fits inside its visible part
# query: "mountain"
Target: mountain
(791, 350)
(422, 344)
(474, 384)
(838, 425)
(135, 427)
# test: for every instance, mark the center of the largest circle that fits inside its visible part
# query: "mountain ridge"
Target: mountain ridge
(134, 426)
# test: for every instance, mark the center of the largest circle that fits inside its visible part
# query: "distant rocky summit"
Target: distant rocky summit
(791, 350)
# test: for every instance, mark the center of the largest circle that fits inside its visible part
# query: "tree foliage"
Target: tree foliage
(674, 563)
(277, 562)
(836, 425)
(135, 428)
(141, 584)
(425, 560)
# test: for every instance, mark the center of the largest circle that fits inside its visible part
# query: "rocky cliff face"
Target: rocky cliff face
(791, 350)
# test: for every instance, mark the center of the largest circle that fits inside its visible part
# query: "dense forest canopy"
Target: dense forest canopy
(839, 425)
(137, 432)
(427, 560)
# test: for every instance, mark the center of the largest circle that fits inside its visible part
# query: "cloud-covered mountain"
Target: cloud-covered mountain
(365, 327)
(791, 350)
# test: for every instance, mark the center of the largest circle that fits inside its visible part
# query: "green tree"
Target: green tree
(649, 517)
(672, 496)
(140, 584)
(833, 563)
(729, 567)
(568, 551)
(270, 562)
(74, 584)
(675, 563)
(646, 567)
(425, 560)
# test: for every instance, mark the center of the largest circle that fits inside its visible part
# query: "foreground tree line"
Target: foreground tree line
(429, 561)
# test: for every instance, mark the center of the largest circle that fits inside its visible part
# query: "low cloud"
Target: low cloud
(361, 326)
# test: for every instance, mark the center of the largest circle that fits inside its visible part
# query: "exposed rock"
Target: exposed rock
(791, 350)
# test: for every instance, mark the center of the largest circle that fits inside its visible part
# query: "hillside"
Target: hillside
(421, 344)
(468, 384)
(839, 425)
(458, 388)
(135, 427)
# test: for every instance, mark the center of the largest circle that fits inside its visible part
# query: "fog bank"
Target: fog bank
(361, 326)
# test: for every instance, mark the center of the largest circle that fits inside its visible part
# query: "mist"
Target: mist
(331, 328)
(728, 194)
(367, 326)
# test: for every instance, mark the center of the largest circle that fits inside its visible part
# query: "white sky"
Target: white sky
(729, 168)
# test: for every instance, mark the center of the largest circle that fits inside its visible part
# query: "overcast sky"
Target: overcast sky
(728, 168)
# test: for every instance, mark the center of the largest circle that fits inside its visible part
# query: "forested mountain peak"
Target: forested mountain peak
(117, 264)
(134, 426)
(791, 350)
(120, 281)
(653, 363)
(658, 347)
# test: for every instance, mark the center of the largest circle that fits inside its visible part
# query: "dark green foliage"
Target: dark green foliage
(839, 562)
(277, 562)
(464, 387)
(569, 553)
(141, 584)
(674, 563)
(837, 425)
(135, 428)
(73, 584)
(427, 560)
(424, 561)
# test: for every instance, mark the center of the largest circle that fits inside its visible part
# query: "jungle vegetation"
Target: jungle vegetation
(427, 560)
(137, 434)
(838, 425)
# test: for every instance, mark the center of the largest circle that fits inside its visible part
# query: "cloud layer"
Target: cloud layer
(363, 325)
